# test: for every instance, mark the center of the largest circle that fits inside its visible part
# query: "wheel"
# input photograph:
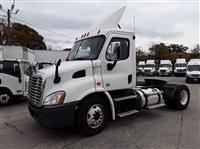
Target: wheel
(181, 98)
(5, 97)
(92, 116)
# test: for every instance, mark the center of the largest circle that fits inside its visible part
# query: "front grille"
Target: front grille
(195, 75)
(35, 89)
(180, 70)
(147, 70)
(162, 71)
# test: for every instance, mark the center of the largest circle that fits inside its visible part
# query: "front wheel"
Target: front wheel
(5, 98)
(92, 116)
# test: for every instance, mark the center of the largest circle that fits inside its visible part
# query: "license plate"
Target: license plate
(195, 79)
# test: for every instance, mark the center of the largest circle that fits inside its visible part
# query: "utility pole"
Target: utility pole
(9, 14)
(8, 27)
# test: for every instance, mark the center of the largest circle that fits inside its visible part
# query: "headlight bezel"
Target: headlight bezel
(55, 98)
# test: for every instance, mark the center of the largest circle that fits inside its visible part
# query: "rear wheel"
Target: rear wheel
(92, 116)
(181, 98)
(5, 97)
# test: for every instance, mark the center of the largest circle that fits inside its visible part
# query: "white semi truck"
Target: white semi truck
(193, 71)
(14, 74)
(140, 68)
(98, 83)
(150, 68)
(165, 68)
(180, 67)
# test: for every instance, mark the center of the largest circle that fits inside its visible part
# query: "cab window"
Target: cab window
(10, 67)
(118, 49)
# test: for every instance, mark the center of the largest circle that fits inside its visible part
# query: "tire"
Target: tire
(86, 121)
(5, 97)
(181, 98)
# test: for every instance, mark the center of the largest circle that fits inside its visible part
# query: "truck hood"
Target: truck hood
(180, 68)
(193, 72)
(164, 68)
(65, 67)
(148, 68)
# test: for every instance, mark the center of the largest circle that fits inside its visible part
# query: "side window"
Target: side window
(11, 68)
(118, 49)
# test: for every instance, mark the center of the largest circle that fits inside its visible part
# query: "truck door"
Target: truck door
(117, 63)
(11, 77)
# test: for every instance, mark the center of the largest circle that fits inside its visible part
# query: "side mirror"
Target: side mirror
(57, 77)
(18, 73)
(58, 62)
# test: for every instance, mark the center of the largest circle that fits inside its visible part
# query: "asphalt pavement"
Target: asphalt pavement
(158, 128)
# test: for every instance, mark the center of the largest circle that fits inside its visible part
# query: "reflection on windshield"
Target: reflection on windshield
(165, 65)
(149, 65)
(193, 68)
(26, 68)
(87, 49)
(180, 65)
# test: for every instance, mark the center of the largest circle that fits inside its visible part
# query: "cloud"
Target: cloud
(175, 22)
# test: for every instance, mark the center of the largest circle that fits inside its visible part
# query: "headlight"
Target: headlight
(175, 70)
(55, 98)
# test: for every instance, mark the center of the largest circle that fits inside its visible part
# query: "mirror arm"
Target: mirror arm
(57, 77)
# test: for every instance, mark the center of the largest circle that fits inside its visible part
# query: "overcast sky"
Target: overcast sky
(166, 21)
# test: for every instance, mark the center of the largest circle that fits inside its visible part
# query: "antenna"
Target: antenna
(134, 24)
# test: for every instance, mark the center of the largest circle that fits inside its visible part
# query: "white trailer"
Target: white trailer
(46, 58)
(98, 82)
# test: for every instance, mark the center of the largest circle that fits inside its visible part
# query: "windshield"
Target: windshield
(87, 49)
(193, 68)
(181, 65)
(26, 68)
(165, 65)
(149, 65)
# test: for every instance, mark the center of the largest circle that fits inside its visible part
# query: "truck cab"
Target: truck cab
(180, 67)
(150, 68)
(165, 68)
(97, 82)
(193, 71)
(14, 78)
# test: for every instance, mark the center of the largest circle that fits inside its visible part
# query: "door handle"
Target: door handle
(130, 78)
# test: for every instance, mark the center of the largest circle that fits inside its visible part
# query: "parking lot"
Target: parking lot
(158, 128)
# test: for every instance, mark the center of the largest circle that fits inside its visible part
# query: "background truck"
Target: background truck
(180, 67)
(14, 74)
(140, 67)
(98, 83)
(193, 71)
(165, 68)
(46, 58)
(150, 68)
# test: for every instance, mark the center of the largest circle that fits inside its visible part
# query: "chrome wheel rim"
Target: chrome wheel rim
(95, 116)
(184, 97)
(4, 98)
